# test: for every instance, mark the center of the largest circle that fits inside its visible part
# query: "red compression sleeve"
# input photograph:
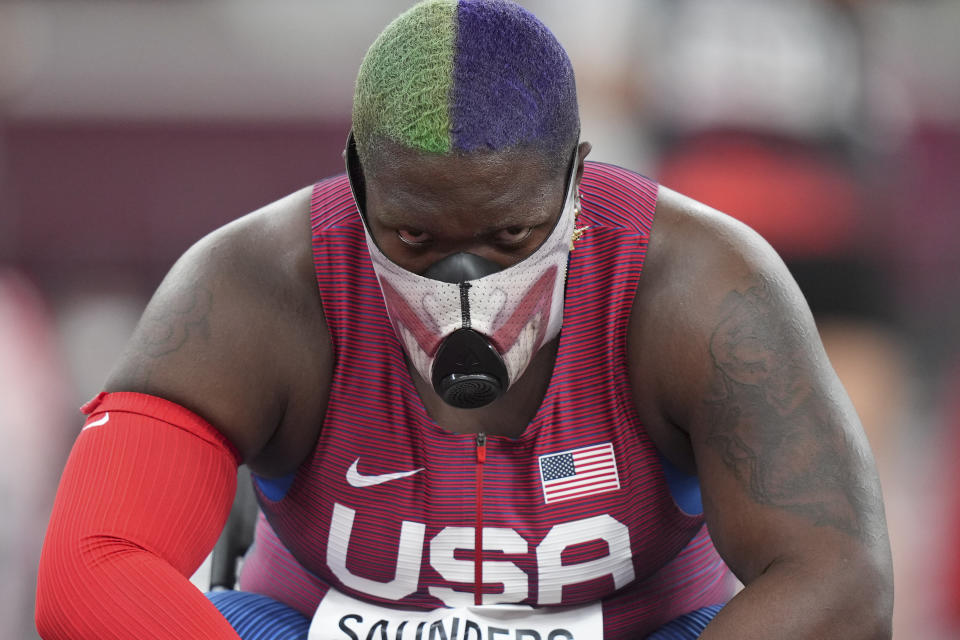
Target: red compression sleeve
(142, 500)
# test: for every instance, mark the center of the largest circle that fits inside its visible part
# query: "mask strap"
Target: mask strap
(358, 184)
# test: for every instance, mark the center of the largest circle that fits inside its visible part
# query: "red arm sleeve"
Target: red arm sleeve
(142, 500)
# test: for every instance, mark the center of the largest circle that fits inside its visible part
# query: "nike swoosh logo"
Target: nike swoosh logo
(104, 420)
(355, 479)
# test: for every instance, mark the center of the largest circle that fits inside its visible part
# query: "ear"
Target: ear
(582, 151)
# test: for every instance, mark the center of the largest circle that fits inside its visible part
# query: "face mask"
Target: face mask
(468, 326)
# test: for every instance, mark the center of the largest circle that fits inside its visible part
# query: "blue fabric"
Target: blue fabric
(274, 488)
(257, 617)
(684, 488)
(688, 626)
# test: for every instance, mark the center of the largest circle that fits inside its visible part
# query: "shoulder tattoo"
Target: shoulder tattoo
(785, 446)
(168, 329)
(185, 316)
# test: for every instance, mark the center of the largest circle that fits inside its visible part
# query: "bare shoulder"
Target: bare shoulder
(695, 248)
(235, 333)
(729, 371)
(698, 263)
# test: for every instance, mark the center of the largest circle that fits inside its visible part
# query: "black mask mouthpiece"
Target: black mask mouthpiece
(468, 373)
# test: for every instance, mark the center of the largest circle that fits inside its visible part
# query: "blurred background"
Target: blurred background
(131, 128)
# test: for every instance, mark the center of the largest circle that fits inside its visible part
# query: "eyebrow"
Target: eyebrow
(524, 218)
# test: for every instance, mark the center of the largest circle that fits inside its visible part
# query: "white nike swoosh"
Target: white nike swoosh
(355, 479)
(104, 420)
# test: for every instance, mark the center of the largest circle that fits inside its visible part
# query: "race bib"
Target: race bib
(340, 617)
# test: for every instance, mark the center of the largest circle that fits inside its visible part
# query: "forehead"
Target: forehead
(503, 187)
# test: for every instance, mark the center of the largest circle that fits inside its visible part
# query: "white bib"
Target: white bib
(340, 617)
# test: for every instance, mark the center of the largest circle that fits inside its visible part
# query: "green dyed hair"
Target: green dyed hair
(403, 87)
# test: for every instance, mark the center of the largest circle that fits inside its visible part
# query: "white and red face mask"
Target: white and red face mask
(456, 329)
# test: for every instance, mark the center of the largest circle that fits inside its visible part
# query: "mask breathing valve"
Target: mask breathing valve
(468, 373)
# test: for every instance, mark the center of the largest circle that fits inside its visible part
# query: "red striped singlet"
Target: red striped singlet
(390, 511)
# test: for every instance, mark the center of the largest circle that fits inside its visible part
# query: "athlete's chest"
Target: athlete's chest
(428, 519)
(396, 510)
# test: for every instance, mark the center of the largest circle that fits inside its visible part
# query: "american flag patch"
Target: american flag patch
(578, 473)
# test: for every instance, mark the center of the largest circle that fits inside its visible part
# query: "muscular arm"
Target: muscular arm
(236, 334)
(790, 493)
(235, 338)
(789, 439)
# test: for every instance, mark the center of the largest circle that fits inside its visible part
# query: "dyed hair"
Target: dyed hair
(452, 76)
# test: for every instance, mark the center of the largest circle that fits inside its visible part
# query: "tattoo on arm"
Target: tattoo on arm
(186, 316)
(783, 444)
(166, 331)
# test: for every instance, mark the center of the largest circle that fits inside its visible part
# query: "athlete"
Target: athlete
(486, 389)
